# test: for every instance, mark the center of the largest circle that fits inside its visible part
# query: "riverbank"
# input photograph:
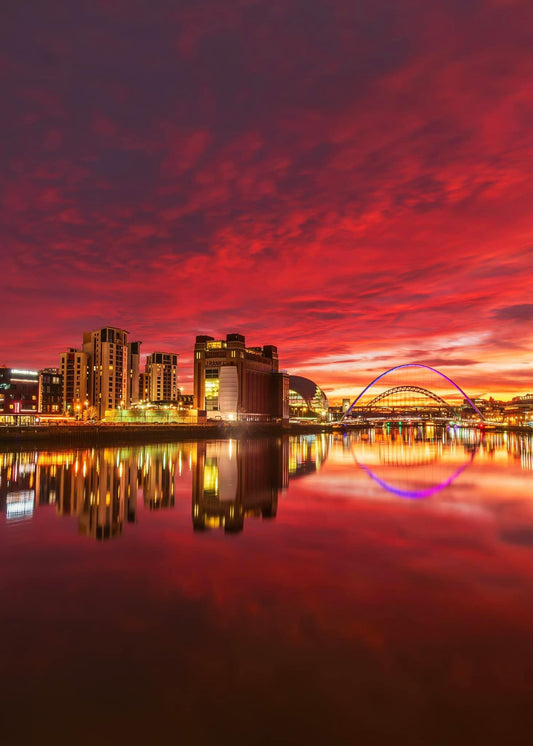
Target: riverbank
(80, 435)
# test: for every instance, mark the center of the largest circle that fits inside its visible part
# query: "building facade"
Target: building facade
(19, 391)
(144, 387)
(74, 369)
(236, 382)
(307, 401)
(50, 391)
(519, 411)
(113, 369)
(161, 377)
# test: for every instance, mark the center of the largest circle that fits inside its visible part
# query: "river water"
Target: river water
(369, 588)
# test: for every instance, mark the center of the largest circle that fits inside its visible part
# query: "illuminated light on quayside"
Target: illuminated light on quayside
(411, 365)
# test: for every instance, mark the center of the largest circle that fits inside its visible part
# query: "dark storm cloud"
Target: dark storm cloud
(517, 312)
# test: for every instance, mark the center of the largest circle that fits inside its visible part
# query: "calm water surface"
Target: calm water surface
(367, 589)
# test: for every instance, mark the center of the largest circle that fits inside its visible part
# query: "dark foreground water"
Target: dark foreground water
(376, 588)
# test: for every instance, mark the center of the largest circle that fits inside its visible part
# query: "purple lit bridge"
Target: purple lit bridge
(411, 402)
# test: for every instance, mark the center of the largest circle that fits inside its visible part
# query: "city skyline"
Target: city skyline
(348, 183)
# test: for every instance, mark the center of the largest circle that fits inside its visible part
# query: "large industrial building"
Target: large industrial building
(236, 382)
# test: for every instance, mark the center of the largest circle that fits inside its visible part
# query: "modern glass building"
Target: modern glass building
(307, 401)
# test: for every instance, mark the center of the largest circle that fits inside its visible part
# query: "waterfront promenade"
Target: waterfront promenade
(112, 434)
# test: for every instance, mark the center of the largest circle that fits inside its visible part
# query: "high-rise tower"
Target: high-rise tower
(114, 368)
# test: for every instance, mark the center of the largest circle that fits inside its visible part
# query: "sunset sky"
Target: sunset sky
(351, 180)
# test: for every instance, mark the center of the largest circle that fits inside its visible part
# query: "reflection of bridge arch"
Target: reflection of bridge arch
(419, 493)
(411, 365)
(408, 459)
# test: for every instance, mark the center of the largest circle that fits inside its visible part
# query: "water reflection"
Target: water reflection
(230, 481)
(416, 463)
(234, 480)
(307, 453)
(159, 466)
(351, 611)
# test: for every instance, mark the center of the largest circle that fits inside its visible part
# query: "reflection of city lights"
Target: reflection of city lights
(19, 505)
(398, 454)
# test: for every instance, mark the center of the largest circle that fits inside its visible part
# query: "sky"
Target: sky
(350, 180)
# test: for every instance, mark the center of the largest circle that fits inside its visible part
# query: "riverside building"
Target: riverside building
(236, 382)
(74, 371)
(19, 391)
(160, 380)
(50, 391)
(307, 401)
(114, 369)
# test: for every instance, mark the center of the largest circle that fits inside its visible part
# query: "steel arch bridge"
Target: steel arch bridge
(393, 392)
(366, 410)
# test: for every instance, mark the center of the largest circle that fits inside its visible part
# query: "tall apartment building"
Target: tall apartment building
(144, 387)
(50, 391)
(74, 371)
(161, 377)
(114, 369)
(235, 382)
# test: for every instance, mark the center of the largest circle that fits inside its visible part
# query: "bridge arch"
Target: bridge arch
(411, 365)
(414, 389)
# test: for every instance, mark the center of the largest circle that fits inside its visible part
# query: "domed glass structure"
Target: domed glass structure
(307, 400)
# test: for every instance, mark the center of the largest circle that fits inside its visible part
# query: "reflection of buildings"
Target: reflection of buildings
(307, 453)
(99, 487)
(17, 485)
(158, 477)
(236, 479)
